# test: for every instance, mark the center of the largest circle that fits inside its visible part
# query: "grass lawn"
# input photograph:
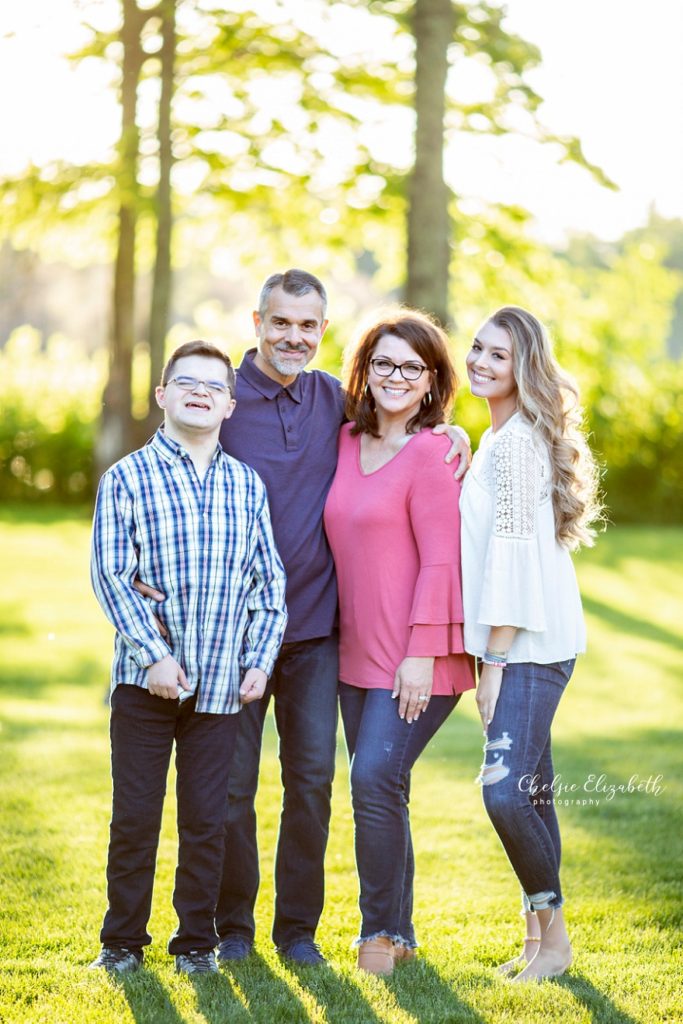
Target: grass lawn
(621, 870)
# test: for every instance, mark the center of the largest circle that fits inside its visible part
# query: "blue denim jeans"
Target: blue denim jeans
(382, 750)
(303, 687)
(144, 729)
(517, 775)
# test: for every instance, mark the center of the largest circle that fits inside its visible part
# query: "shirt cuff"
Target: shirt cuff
(264, 660)
(145, 655)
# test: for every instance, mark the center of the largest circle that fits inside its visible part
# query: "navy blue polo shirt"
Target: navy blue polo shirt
(289, 436)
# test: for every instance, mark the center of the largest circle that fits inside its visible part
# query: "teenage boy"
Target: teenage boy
(193, 521)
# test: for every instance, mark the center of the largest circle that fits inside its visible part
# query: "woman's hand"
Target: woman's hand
(488, 691)
(413, 687)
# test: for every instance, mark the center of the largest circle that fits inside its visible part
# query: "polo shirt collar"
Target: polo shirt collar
(264, 384)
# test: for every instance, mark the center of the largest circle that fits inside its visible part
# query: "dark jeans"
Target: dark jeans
(517, 775)
(143, 730)
(304, 690)
(382, 750)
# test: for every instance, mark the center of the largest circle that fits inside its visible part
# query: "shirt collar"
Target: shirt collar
(171, 450)
(264, 384)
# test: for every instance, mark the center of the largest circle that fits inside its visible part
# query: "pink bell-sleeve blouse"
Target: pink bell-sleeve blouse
(395, 538)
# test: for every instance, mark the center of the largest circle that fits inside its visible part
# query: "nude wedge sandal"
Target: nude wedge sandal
(376, 956)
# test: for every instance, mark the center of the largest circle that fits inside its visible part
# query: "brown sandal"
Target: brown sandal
(402, 954)
(376, 956)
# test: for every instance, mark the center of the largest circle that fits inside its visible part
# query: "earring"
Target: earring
(427, 399)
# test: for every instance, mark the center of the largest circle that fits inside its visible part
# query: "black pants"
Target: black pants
(304, 690)
(143, 731)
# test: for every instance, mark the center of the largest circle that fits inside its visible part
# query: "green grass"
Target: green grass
(621, 871)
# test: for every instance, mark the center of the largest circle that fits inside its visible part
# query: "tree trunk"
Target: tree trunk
(428, 221)
(116, 433)
(162, 283)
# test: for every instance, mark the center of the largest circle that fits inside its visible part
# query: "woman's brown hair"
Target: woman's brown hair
(429, 342)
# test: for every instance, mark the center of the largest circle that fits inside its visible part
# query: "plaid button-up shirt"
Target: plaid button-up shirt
(208, 546)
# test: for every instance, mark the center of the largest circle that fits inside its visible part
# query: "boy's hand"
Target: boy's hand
(253, 685)
(164, 677)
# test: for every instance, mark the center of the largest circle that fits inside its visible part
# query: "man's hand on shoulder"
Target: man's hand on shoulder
(253, 685)
(461, 447)
(166, 678)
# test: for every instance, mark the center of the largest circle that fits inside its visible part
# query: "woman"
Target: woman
(390, 519)
(528, 500)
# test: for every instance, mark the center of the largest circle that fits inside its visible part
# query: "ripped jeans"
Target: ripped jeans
(517, 775)
(382, 750)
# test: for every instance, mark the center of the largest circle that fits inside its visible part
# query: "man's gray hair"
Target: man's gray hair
(293, 282)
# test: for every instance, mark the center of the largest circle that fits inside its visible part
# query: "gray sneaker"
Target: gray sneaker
(196, 963)
(117, 960)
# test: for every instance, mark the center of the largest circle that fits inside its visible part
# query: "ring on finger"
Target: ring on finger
(423, 696)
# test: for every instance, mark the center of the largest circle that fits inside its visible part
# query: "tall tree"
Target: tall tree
(446, 33)
(116, 435)
(429, 225)
(162, 277)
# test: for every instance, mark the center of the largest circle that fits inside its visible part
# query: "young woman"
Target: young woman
(390, 519)
(528, 499)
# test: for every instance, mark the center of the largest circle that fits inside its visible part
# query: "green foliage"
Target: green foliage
(610, 318)
(620, 878)
(50, 403)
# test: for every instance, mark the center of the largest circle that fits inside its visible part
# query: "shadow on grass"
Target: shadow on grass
(630, 624)
(148, 999)
(637, 826)
(629, 835)
(342, 1000)
(217, 1000)
(600, 1006)
(645, 543)
(420, 990)
(267, 995)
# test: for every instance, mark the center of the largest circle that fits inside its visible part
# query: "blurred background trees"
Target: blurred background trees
(250, 141)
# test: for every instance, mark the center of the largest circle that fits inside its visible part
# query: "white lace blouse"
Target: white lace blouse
(514, 572)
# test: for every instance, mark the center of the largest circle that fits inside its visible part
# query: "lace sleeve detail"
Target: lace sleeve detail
(516, 474)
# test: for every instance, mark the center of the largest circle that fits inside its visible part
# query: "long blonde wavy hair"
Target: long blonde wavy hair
(549, 399)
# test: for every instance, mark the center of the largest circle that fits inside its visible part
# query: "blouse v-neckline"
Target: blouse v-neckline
(373, 472)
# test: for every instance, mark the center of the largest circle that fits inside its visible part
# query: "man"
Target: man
(194, 522)
(286, 428)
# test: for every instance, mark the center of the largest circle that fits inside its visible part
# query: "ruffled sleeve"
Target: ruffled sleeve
(512, 589)
(436, 614)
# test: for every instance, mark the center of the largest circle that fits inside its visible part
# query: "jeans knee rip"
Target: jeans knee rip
(489, 774)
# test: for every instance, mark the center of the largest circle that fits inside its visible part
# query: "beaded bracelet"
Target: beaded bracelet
(498, 660)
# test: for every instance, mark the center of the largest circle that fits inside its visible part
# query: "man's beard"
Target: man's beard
(285, 367)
